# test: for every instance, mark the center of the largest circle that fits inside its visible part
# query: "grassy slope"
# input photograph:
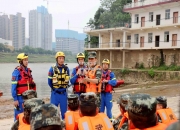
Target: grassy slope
(33, 58)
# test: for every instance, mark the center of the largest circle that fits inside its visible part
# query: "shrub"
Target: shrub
(151, 73)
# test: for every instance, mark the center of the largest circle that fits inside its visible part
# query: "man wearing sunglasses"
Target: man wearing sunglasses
(22, 80)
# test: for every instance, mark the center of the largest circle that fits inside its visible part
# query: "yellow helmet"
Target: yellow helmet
(21, 56)
(59, 53)
(106, 61)
(80, 55)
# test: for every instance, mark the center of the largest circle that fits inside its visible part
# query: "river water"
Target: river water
(39, 73)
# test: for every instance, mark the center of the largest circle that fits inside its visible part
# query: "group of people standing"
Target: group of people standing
(84, 78)
(84, 109)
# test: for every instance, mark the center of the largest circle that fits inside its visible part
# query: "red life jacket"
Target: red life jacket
(26, 82)
(105, 86)
(79, 87)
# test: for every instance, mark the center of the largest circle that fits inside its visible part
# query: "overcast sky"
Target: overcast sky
(77, 12)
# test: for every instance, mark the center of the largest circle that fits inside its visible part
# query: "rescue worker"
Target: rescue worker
(58, 80)
(45, 117)
(108, 81)
(22, 80)
(142, 113)
(165, 115)
(122, 120)
(28, 94)
(72, 115)
(78, 74)
(93, 76)
(22, 122)
(91, 119)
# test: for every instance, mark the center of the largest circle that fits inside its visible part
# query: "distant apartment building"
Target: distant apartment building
(4, 27)
(40, 28)
(27, 42)
(53, 46)
(17, 30)
(155, 28)
(6, 42)
(69, 40)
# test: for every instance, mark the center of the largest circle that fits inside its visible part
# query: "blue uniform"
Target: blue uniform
(74, 77)
(58, 95)
(15, 78)
(106, 97)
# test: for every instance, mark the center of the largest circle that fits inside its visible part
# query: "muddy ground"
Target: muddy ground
(169, 89)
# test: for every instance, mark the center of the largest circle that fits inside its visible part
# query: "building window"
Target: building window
(150, 16)
(150, 36)
(166, 36)
(128, 37)
(136, 38)
(167, 14)
(136, 18)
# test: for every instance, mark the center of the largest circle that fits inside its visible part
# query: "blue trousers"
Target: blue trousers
(60, 99)
(106, 101)
(16, 112)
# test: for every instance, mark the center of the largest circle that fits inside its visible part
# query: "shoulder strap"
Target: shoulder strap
(106, 121)
(77, 68)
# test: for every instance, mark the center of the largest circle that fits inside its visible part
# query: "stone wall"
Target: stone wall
(151, 58)
(138, 76)
(133, 58)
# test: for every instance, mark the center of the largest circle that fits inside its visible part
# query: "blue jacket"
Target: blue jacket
(15, 78)
(51, 73)
(74, 76)
(112, 80)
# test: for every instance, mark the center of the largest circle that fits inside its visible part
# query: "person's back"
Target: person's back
(91, 119)
(123, 106)
(72, 116)
(22, 122)
(142, 113)
(165, 115)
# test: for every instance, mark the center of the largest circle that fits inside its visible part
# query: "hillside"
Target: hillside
(33, 58)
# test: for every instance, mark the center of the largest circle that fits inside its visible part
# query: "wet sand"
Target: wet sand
(171, 90)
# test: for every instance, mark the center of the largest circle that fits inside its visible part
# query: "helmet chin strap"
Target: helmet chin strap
(21, 63)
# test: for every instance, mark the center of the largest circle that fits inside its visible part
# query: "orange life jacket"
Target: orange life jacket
(98, 122)
(159, 126)
(92, 87)
(123, 120)
(26, 82)
(22, 124)
(71, 117)
(79, 87)
(167, 116)
(105, 86)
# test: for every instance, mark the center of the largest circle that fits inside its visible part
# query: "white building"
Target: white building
(6, 42)
(155, 23)
(154, 27)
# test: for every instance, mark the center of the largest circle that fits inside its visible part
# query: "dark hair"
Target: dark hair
(51, 127)
(88, 110)
(73, 107)
(164, 105)
(122, 107)
(142, 122)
